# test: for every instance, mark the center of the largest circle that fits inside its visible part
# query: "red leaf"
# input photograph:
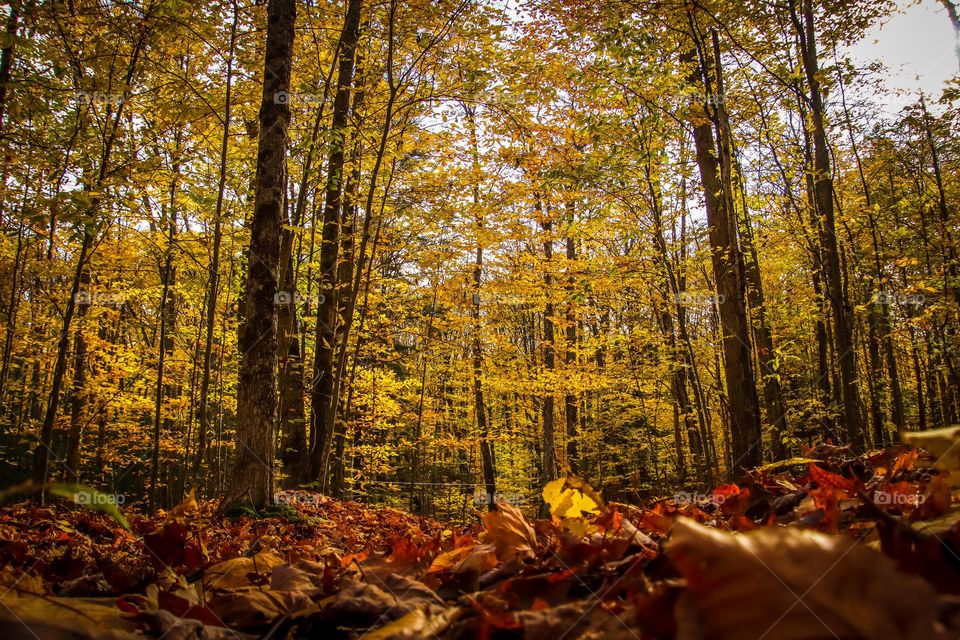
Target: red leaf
(825, 478)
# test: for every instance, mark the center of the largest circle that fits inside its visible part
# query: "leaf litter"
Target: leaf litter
(830, 545)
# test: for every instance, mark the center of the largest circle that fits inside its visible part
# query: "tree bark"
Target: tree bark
(476, 343)
(8, 54)
(549, 469)
(727, 262)
(71, 470)
(763, 337)
(570, 401)
(823, 199)
(252, 473)
(322, 416)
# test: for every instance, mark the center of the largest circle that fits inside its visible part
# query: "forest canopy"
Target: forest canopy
(429, 252)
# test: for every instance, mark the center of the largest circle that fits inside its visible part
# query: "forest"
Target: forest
(466, 288)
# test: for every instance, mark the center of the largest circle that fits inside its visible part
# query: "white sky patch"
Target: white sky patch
(917, 46)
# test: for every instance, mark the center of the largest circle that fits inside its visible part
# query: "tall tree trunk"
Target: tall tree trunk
(168, 317)
(71, 470)
(950, 270)
(10, 324)
(43, 450)
(823, 197)
(293, 427)
(164, 350)
(570, 401)
(476, 343)
(741, 386)
(292, 414)
(322, 417)
(252, 473)
(346, 268)
(763, 337)
(549, 469)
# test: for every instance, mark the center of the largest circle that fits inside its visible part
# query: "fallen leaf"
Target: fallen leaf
(942, 443)
(789, 583)
(510, 533)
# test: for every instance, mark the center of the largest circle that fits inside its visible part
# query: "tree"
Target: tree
(323, 415)
(252, 475)
(803, 21)
(713, 160)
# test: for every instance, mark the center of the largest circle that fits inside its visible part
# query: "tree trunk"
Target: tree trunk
(549, 469)
(71, 470)
(293, 427)
(476, 343)
(8, 53)
(570, 401)
(763, 337)
(823, 198)
(165, 349)
(745, 432)
(322, 417)
(42, 452)
(252, 473)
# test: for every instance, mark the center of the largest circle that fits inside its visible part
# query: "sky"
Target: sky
(917, 45)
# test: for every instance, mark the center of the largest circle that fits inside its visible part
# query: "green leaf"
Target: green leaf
(89, 498)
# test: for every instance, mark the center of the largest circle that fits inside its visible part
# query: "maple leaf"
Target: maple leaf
(825, 478)
(510, 533)
(570, 498)
(790, 583)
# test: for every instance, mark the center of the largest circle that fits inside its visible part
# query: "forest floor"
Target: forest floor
(828, 546)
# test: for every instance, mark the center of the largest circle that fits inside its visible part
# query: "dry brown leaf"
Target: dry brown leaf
(578, 620)
(419, 623)
(510, 533)
(480, 558)
(82, 615)
(251, 606)
(364, 604)
(785, 584)
(186, 507)
(235, 573)
(171, 627)
(304, 576)
(13, 579)
(942, 443)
